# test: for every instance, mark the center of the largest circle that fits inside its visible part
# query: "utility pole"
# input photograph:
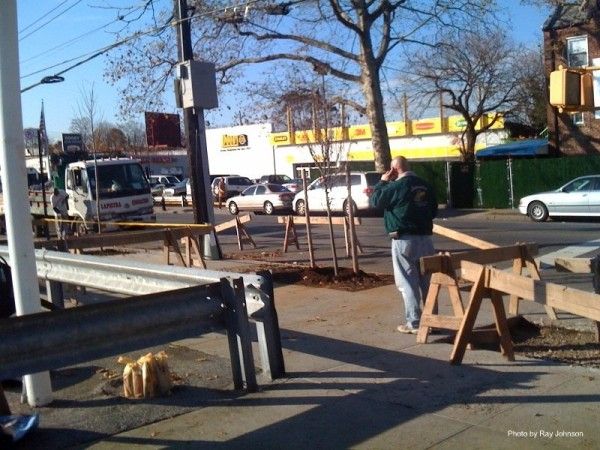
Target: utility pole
(195, 133)
(14, 182)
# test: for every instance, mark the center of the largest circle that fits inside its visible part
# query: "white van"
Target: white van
(362, 185)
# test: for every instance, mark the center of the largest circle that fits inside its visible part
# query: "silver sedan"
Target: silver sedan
(265, 198)
(579, 197)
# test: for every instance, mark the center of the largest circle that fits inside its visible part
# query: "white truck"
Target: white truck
(122, 186)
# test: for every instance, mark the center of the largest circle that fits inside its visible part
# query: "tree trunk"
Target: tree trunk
(331, 237)
(470, 139)
(379, 135)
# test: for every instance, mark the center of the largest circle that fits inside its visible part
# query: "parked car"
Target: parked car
(233, 183)
(173, 185)
(361, 188)
(579, 197)
(156, 188)
(212, 177)
(295, 185)
(276, 179)
(266, 198)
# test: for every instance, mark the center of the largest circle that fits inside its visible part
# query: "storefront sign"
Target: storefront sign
(235, 141)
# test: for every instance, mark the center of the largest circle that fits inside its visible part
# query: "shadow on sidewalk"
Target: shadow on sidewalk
(370, 392)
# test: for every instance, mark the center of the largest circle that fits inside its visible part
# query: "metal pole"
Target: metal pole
(41, 160)
(448, 184)
(511, 191)
(16, 203)
(196, 138)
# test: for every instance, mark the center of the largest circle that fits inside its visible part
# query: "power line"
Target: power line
(43, 16)
(50, 20)
(94, 54)
(77, 38)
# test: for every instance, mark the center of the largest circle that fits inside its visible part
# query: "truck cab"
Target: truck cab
(122, 187)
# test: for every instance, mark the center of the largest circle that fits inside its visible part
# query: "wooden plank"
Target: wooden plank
(438, 321)
(534, 273)
(443, 279)
(466, 327)
(575, 265)
(574, 301)
(196, 248)
(132, 237)
(462, 237)
(502, 326)
(300, 220)
(485, 256)
(513, 302)
(428, 310)
(232, 223)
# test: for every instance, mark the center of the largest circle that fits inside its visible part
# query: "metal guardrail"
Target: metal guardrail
(44, 341)
(138, 278)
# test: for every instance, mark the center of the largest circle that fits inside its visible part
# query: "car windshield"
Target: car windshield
(172, 179)
(581, 184)
(118, 180)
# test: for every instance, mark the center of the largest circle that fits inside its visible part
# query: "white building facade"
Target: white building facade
(254, 150)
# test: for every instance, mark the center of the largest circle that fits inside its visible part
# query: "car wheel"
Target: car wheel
(347, 208)
(233, 208)
(268, 208)
(300, 207)
(537, 211)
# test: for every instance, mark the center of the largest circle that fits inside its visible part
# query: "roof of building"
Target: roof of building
(571, 13)
(528, 147)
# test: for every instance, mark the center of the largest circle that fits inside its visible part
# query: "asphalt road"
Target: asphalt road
(499, 227)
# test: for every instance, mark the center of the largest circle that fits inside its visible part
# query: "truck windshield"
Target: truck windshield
(118, 180)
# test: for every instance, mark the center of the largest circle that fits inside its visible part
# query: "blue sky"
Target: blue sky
(38, 51)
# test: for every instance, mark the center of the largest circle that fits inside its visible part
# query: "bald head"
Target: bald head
(400, 164)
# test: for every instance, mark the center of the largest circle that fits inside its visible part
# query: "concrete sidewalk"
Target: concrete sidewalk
(353, 381)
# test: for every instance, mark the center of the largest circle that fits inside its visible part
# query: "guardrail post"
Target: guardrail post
(238, 335)
(267, 329)
(55, 294)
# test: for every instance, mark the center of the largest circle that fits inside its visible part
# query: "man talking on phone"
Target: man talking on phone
(409, 206)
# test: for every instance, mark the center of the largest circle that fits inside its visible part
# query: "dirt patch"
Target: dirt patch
(579, 348)
(323, 277)
(254, 256)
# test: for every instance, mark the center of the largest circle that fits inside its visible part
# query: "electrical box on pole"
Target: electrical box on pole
(196, 85)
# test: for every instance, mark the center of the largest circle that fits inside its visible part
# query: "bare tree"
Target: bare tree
(477, 75)
(135, 135)
(87, 117)
(89, 113)
(325, 150)
(347, 40)
(532, 89)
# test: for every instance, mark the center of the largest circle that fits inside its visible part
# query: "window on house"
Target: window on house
(577, 51)
(577, 118)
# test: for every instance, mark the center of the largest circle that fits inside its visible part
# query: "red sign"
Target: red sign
(424, 125)
(162, 130)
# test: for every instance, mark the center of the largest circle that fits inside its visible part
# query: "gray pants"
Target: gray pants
(412, 285)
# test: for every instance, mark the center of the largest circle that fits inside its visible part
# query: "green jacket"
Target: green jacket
(408, 203)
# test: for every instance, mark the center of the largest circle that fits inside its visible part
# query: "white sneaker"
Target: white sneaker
(407, 329)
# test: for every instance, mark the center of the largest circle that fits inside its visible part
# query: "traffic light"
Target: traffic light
(571, 90)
